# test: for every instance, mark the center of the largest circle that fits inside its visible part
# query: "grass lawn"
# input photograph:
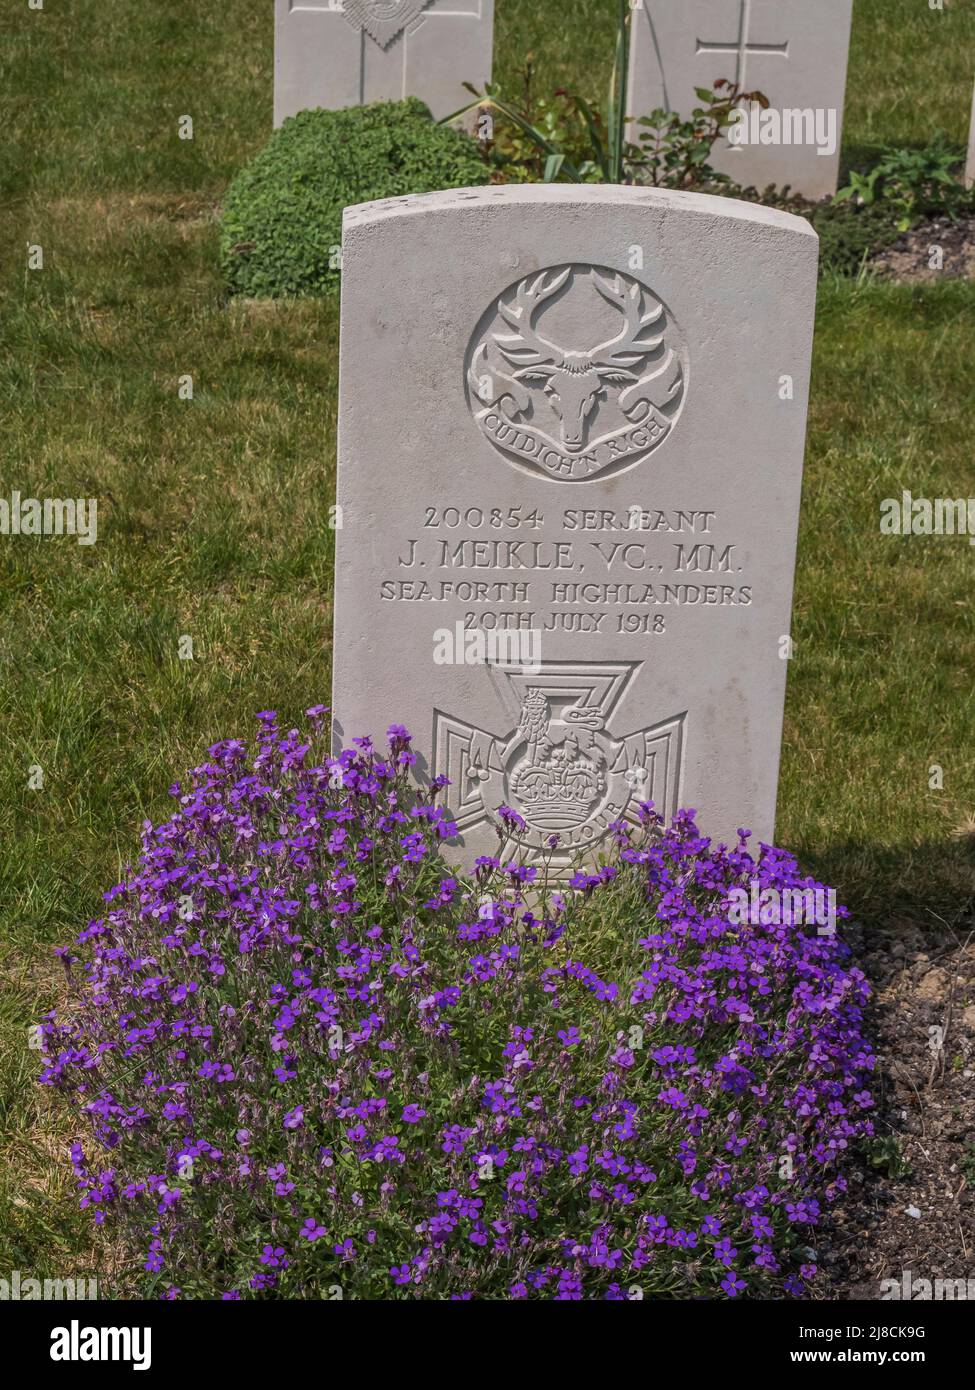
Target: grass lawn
(212, 511)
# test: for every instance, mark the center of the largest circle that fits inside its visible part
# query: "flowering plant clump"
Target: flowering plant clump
(316, 1063)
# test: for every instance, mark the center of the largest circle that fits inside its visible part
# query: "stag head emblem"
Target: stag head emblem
(574, 381)
(541, 401)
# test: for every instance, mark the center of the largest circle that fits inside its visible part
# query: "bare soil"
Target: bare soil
(911, 1202)
(914, 260)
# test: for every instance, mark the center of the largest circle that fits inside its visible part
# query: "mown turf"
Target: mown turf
(881, 688)
(213, 511)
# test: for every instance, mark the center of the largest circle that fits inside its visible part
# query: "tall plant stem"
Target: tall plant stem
(618, 90)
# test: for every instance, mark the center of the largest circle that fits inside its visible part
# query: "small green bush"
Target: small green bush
(282, 216)
(849, 235)
(912, 184)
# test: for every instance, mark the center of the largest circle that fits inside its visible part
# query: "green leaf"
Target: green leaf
(592, 125)
(471, 106)
(616, 103)
(533, 133)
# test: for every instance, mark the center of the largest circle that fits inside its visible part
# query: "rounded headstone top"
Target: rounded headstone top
(578, 196)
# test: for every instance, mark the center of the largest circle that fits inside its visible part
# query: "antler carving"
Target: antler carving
(526, 347)
(631, 343)
(667, 379)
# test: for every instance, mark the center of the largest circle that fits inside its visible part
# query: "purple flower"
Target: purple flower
(274, 1256)
(615, 1074)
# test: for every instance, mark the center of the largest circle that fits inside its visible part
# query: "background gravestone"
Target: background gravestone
(970, 160)
(581, 414)
(794, 51)
(379, 50)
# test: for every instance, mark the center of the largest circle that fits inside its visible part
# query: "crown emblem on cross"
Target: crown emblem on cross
(559, 766)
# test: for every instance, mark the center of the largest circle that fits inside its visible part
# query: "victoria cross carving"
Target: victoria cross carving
(577, 371)
(559, 766)
(383, 20)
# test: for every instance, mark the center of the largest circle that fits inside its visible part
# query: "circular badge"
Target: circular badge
(577, 372)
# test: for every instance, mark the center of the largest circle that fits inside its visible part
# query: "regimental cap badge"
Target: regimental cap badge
(577, 371)
(383, 20)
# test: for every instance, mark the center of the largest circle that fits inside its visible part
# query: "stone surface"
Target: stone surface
(379, 50)
(567, 457)
(970, 161)
(793, 51)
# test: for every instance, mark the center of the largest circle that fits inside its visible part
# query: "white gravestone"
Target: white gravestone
(333, 55)
(793, 51)
(571, 431)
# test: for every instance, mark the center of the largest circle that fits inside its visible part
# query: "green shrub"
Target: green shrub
(850, 235)
(912, 184)
(282, 216)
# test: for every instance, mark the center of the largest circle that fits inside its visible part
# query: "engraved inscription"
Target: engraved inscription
(573, 570)
(557, 399)
(383, 20)
(559, 767)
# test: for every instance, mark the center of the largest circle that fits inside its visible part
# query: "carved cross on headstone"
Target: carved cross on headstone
(743, 48)
(793, 51)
